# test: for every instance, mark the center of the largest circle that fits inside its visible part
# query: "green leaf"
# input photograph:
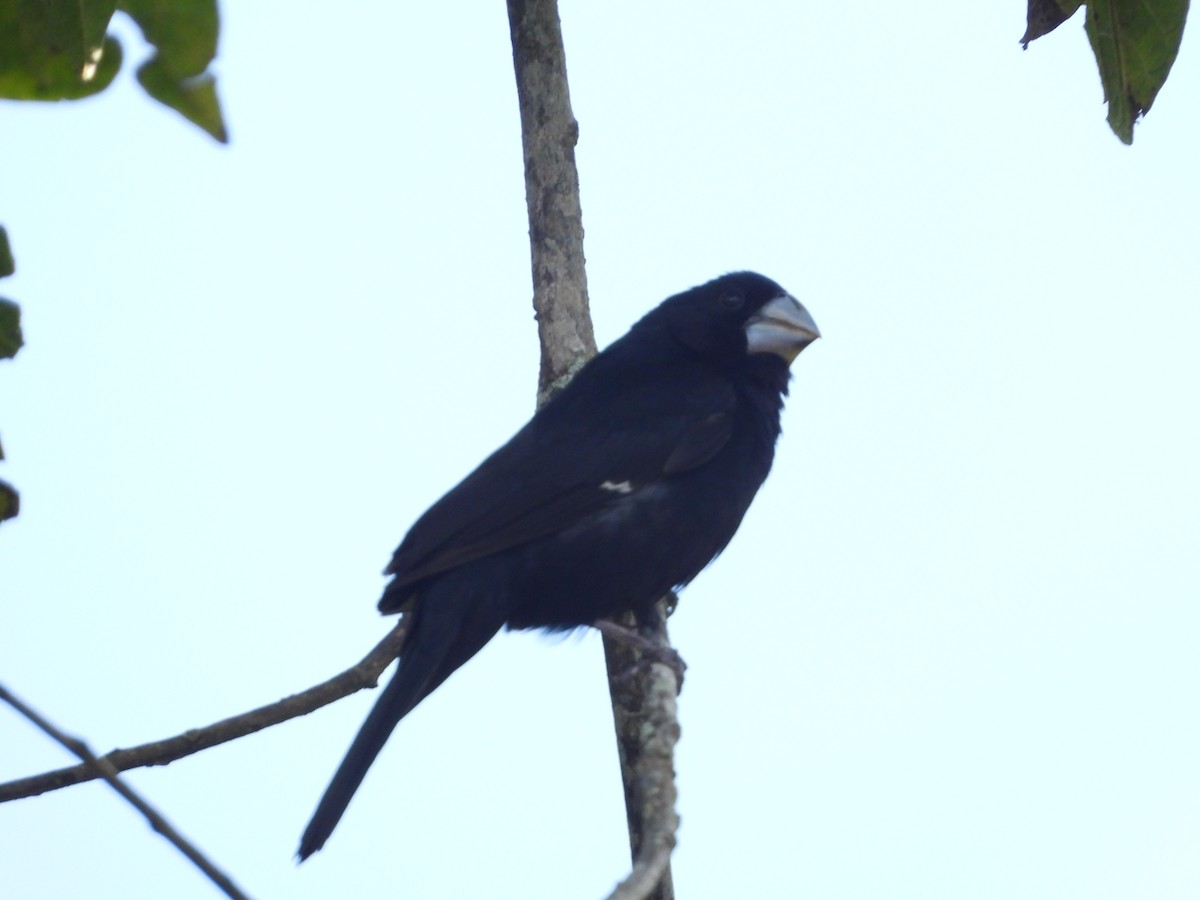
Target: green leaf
(195, 98)
(1043, 16)
(56, 50)
(7, 266)
(10, 313)
(10, 329)
(184, 31)
(10, 343)
(184, 34)
(10, 501)
(1135, 42)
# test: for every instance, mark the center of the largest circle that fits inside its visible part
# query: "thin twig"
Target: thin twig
(158, 753)
(108, 773)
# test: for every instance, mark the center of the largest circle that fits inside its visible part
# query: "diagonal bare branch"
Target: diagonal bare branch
(105, 770)
(158, 753)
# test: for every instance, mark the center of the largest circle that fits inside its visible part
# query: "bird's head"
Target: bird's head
(736, 315)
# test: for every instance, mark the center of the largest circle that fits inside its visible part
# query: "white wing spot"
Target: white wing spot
(620, 487)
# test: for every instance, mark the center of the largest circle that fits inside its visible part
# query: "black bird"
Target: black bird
(624, 486)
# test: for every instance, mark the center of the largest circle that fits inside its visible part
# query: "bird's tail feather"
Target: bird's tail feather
(442, 640)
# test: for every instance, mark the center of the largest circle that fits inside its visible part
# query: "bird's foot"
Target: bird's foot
(648, 650)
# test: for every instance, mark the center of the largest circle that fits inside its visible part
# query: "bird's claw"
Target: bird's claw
(648, 651)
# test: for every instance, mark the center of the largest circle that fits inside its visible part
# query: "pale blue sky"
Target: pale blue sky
(952, 652)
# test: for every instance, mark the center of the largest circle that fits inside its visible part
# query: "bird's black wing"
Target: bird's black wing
(603, 438)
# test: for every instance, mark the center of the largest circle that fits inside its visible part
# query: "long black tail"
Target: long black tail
(446, 633)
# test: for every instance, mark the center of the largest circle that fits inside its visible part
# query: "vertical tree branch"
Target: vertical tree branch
(549, 133)
(647, 730)
(643, 707)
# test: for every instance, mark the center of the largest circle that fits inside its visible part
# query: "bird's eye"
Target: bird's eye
(731, 300)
